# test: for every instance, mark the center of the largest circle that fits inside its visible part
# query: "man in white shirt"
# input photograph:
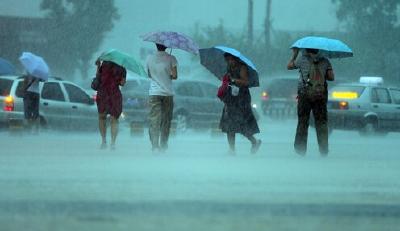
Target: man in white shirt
(162, 69)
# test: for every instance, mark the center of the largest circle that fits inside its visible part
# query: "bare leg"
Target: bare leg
(114, 130)
(231, 141)
(103, 129)
(255, 144)
(252, 139)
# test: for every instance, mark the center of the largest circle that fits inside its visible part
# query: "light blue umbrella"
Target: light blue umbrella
(213, 59)
(330, 48)
(6, 68)
(35, 65)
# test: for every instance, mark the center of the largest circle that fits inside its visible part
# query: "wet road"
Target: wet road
(60, 181)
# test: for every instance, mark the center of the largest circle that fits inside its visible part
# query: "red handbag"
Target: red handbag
(223, 89)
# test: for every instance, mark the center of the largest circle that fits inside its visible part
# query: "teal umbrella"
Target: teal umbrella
(124, 60)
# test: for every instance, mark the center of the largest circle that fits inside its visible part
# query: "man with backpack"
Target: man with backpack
(315, 71)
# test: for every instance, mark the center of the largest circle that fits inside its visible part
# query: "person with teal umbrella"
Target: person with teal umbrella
(110, 76)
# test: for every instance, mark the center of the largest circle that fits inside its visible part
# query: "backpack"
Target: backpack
(316, 82)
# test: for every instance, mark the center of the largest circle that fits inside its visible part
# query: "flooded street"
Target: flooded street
(63, 181)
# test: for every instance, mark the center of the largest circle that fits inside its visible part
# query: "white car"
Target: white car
(63, 104)
(368, 107)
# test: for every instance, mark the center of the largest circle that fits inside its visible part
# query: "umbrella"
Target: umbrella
(213, 59)
(172, 40)
(6, 68)
(35, 65)
(123, 60)
(330, 48)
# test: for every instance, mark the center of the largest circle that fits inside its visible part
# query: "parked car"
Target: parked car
(196, 104)
(368, 107)
(279, 97)
(136, 99)
(63, 104)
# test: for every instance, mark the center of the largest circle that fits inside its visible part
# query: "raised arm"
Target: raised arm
(174, 73)
(291, 65)
(330, 76)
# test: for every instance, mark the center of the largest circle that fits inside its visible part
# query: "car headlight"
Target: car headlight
(254, 105)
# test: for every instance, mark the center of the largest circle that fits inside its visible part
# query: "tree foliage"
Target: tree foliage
(77, 30)
(373, 32)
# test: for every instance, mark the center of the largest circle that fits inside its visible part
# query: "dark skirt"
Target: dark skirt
(109, 103)
(31, 105)
(237, 115)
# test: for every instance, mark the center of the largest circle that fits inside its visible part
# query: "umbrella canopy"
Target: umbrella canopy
(123, 60)
(35, 65)
(213, 59)
(172, 39)
(330, 48)
(6, 68)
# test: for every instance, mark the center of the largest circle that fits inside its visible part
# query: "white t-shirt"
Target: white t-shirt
(160, 66)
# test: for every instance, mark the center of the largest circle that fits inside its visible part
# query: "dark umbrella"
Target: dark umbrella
(6, 68)
(213, 59)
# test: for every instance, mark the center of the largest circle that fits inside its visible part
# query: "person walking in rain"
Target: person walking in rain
(162, 69)
(31, 99)
(109, 98)
(315, 71)
(237, 115)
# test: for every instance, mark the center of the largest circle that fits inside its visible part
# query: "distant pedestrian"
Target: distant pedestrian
(31, 98)
(109, 98)
(162, 69)
(237, 115)
(314, 70)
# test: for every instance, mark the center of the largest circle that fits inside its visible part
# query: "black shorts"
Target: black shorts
(31, 105)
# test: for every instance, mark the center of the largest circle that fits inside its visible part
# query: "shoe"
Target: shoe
(112, 147)
(163, 148)
(155, 150)
(232, 152)
(300, 152)
(255, 147)
(324, 152)
(103, 146)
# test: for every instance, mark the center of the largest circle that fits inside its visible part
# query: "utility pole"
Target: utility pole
(250, 16)
(267, 24)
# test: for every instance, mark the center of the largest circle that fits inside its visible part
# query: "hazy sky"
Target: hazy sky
(141, 16)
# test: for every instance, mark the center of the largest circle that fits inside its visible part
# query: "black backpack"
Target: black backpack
(316, 82)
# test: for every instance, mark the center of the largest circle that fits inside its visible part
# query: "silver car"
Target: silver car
(367, 108)
(63, 104)
(195, 103)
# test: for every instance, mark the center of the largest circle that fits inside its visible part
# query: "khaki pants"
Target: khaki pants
(161, 109)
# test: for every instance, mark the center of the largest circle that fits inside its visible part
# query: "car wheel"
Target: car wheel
(369, 129)
(182, 122)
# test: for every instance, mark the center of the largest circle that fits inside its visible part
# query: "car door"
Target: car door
(382, 105)
(52, 105)
(190, 99)
(395, 93)
(212, 105)
(82, 111)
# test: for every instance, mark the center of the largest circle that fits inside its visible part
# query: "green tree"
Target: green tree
(372, 31)
(77, 30)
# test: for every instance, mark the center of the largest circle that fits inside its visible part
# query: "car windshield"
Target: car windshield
(282, 88)
(346, 92)
(5, 86)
